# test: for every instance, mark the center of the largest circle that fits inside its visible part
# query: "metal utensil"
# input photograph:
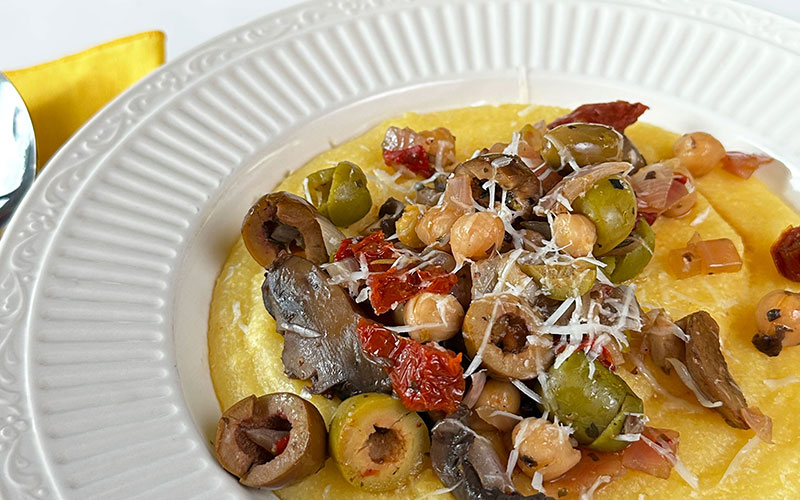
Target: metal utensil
(17, 150)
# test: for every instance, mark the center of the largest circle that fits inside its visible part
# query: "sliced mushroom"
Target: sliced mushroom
(709, 370)
(280, 222)
(499, 329)
(318, 322)
(662, 338)
(523, 187)
(271, 441)
(468, 462)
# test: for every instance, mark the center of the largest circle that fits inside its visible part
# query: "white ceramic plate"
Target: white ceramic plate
(107, 270)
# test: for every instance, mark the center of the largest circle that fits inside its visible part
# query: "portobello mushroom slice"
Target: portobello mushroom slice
(708, 369)
(271, 441)
(318, 323)
(467, 462)
(661, 336)
(282, 222)
(511, 174)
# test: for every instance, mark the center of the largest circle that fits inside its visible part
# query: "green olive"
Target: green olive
(611, 204)
(611, 265)
(376, 442)
(319, 187)
(560, 282)
(583, 143)
(340, 193)
(632, 255)
(592, 405)
(607, 440)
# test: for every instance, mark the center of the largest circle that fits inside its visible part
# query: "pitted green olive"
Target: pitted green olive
(340, 193)
(632, 255)
(596, 406)
(608, 439)
(611, 204)
(581, 143)
(376, 442)
(561, 282)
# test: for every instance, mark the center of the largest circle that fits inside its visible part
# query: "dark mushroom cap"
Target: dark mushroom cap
(524, 188)
(271, 441)
(279, 220)
(708, 368)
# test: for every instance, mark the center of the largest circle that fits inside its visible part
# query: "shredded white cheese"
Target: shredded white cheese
(524, 389)
(776, 383)
(440, 491)
(600, 481)
(413, 328)
(231, 270)
(737, 460)
(476, 361)
(512, 461)
(701, 217)
(501, 413)
(300, 330)
(513, 146)
(687, 380)
(237, 311)
(680, 468)
(537, 481)
(687, 475)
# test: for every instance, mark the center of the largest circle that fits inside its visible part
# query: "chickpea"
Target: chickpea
(500, 395)
(699, 152)
(442, 312)
(436, 223)
(543, 447)
(576, 232)
(476, 236)
(778, 321)
(406, 226)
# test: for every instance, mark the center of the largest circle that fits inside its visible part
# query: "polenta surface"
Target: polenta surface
(245, 350)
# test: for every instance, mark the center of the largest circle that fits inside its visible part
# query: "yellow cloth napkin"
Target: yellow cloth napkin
(62, 94)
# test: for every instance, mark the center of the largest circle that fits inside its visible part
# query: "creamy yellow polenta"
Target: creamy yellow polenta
(245, 350)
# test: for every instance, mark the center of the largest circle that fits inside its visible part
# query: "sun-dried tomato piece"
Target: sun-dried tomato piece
(617, 114)
(743, 164)
(372, 247)
(786, 253)
(424, 376)
(414, 158)
(395, 286)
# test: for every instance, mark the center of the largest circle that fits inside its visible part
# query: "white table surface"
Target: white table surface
(35, 31)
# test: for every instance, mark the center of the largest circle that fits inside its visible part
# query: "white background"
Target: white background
(35, 31)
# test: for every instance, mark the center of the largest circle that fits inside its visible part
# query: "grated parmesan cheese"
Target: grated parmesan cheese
(737, 460)
(440, 491)
(524, 389)
(687, 380)
(776, 383)
(680, 468)
(300, 330)
(476, 361)
(536, 481)
(412, 328)
(589, 493)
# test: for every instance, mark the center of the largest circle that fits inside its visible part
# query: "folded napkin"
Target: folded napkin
(62, 94)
